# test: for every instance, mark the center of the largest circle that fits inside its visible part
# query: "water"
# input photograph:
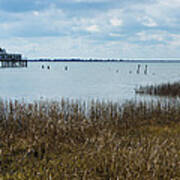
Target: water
(85, 81)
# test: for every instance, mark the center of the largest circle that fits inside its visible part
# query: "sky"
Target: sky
(103, 29)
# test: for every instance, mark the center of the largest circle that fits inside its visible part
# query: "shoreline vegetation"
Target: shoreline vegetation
(103, 60)
(165, 89)
(98, 140)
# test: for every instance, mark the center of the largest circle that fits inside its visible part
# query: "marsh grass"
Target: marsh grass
(165, 89)
(98, 140)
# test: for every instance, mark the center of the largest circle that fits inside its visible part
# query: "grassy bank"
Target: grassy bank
(76, 140)
(165, 89)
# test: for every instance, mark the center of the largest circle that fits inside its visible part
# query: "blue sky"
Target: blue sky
(91, 28)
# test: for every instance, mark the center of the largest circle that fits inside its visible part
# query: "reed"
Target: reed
(165, 89)
(95, 140)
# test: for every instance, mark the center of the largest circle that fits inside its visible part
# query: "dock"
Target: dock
(11, 60)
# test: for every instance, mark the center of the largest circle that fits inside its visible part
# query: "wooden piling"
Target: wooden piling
(138, 70)
(145, 71)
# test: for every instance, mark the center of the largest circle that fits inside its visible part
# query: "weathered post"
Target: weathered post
(138, 70)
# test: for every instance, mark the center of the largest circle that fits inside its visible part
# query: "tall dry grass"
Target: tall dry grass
(96, 140)
(165, 89)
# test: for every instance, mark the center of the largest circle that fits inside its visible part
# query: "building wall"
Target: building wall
(10, 56)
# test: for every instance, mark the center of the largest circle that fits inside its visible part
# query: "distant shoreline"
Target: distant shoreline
(104, 61)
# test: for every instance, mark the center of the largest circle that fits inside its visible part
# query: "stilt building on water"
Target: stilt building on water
(11, 60)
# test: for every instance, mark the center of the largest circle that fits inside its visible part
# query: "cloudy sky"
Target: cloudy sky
(91, 28)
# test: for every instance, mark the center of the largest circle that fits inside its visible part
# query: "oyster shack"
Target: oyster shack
(11, 60)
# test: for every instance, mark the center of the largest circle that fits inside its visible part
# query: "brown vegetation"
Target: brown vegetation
(77, 140)
(166, 89)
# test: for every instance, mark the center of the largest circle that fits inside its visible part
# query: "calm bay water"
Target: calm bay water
(85, 81)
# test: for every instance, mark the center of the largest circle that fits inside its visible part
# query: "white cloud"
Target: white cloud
(116, 22)
(87, 1)
(36, 13)
(36, 23)
(149, 36)
(175, 40)
(147, 21)
(93, 28)
(117, 31)
(116, 35)
(68, 47)
(170, 3)
(161, 12)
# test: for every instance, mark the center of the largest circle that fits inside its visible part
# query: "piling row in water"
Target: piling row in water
(49, 67)
(139, 68)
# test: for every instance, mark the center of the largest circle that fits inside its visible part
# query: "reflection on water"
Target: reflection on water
(107, 81)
